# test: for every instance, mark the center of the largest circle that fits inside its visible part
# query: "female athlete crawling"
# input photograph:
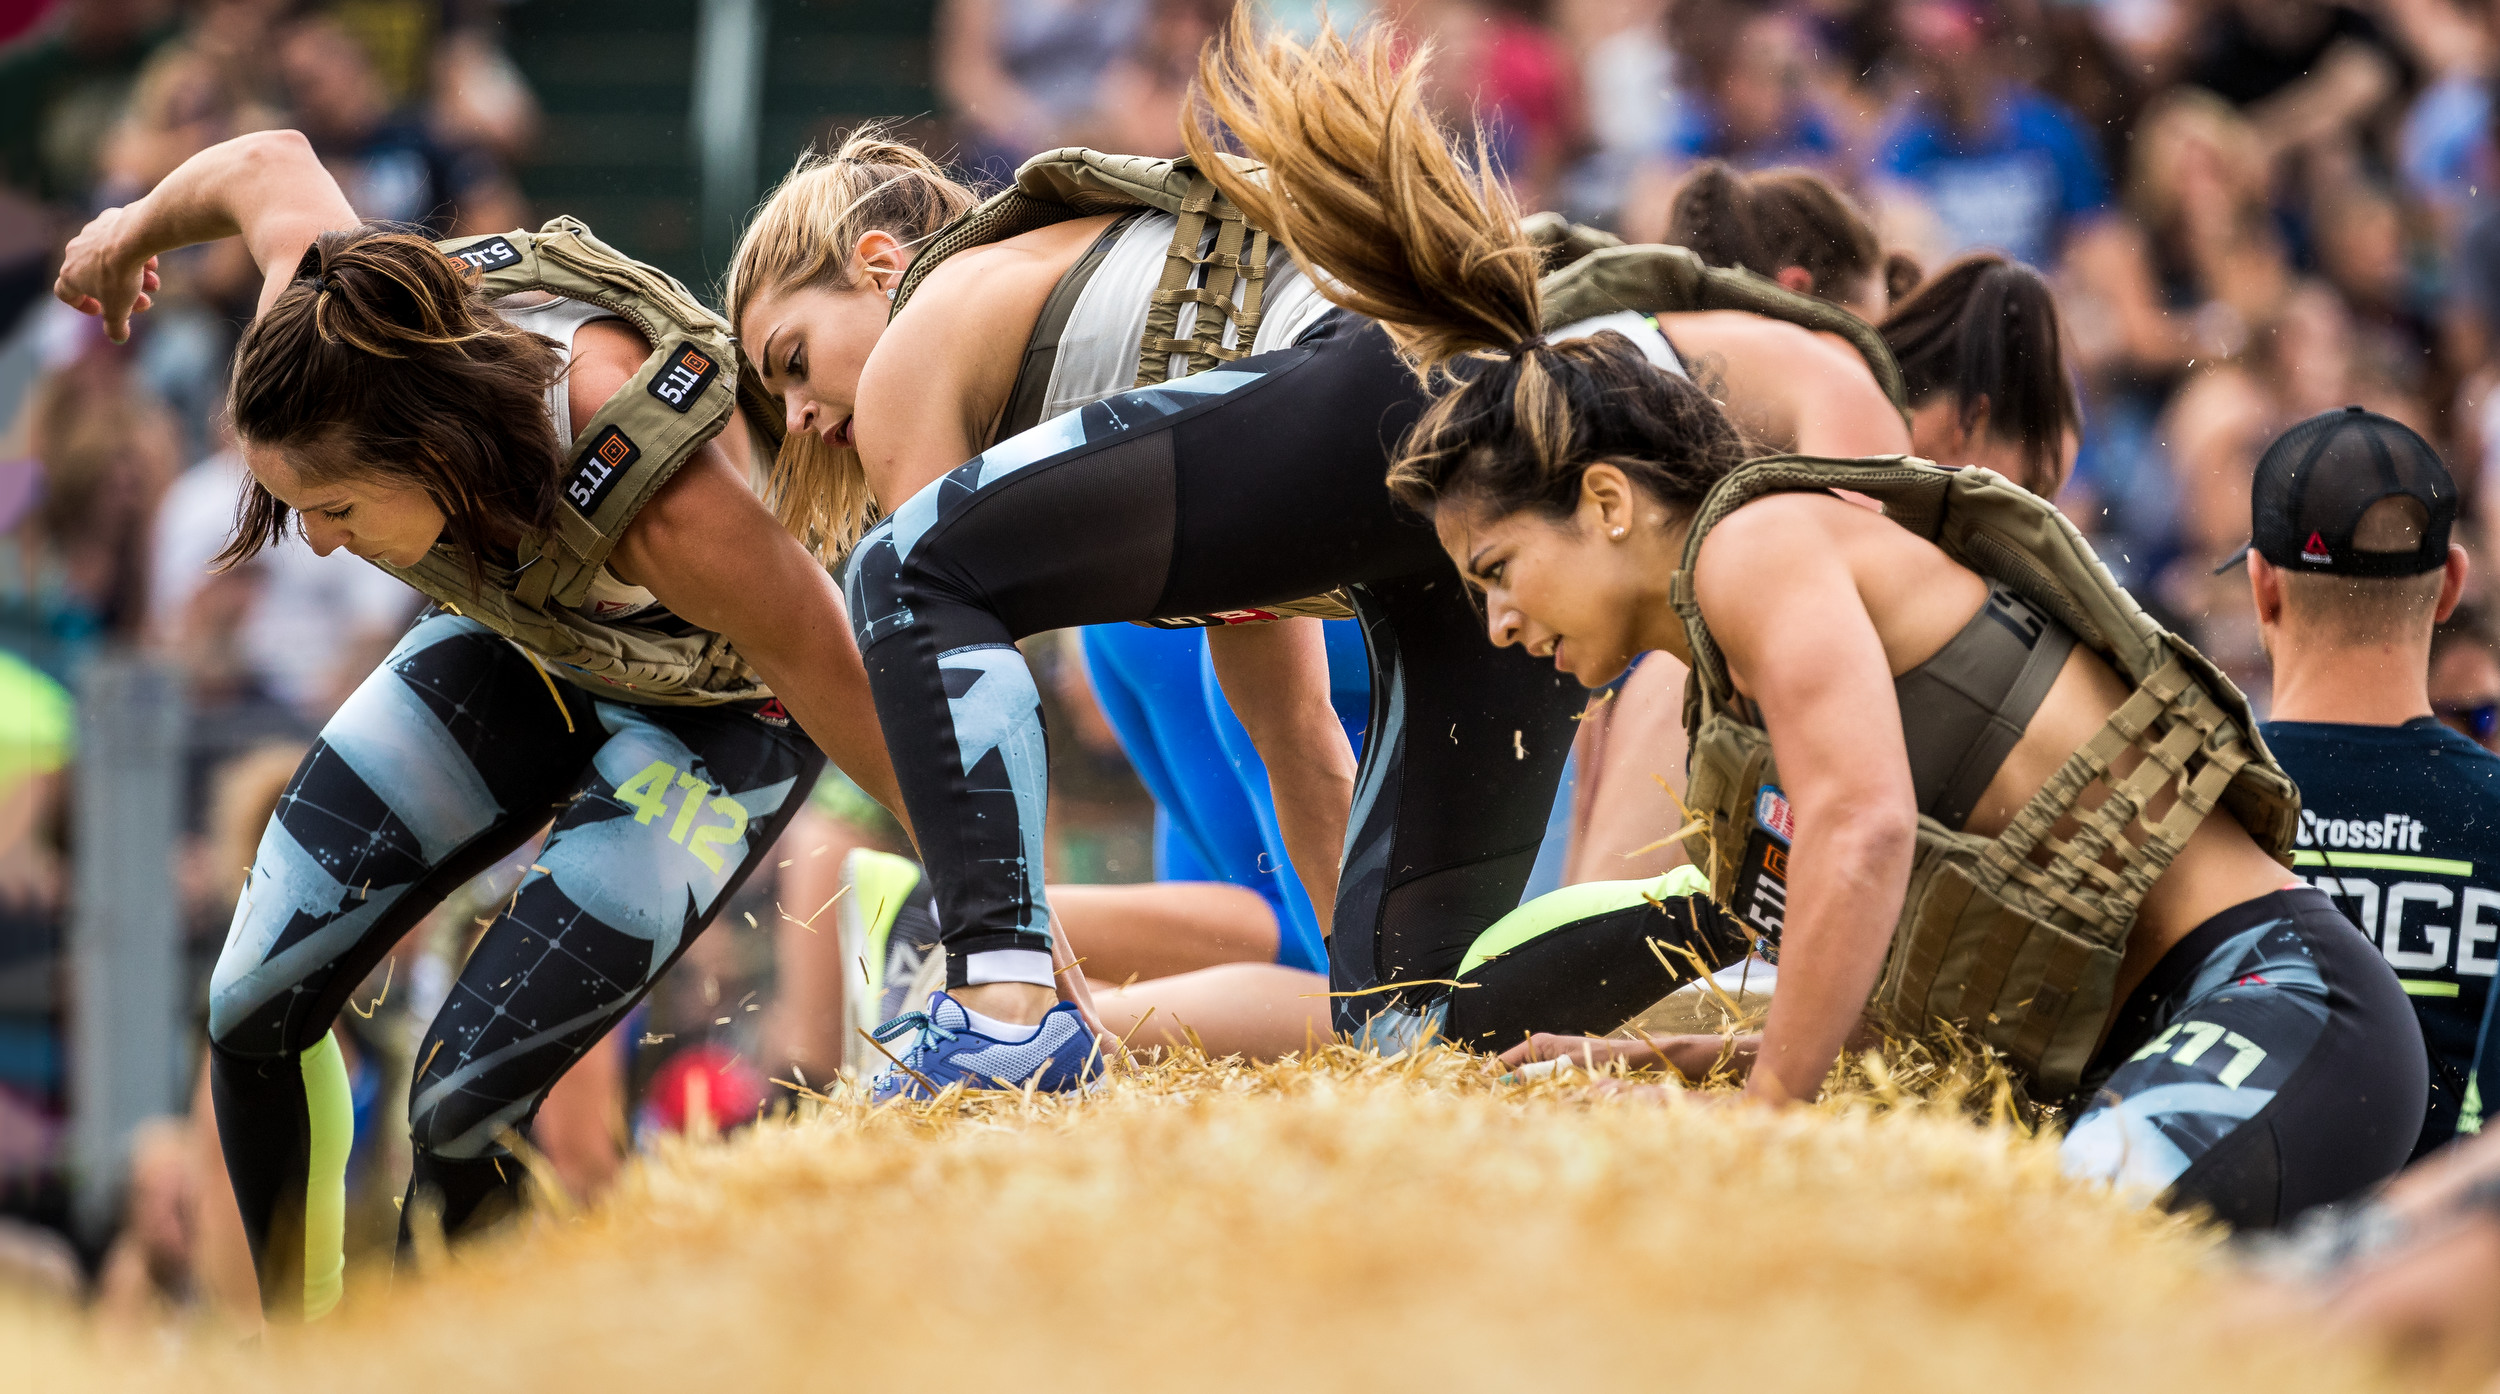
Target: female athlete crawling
(1240, 489)
(617, 610)
(1945, 763)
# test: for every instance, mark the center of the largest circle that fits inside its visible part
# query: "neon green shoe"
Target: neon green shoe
(890, 952)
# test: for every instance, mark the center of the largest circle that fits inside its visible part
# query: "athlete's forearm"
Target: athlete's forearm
(268, 188)
(706, 549)
(812, 664)
(1275, 676)
(1849, 869)
(264, 187)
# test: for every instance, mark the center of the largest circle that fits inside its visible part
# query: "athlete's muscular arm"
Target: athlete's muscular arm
(1276, 677)
(708, 549)
(1809, 656)
(268, 188)
(933, 389)
(1788, 386)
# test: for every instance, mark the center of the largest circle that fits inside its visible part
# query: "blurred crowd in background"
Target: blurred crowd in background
(2252, 210)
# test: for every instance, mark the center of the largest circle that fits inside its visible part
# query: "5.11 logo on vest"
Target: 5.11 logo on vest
(493, 254)
(600, 467)
(1761, 898)
(689, 371)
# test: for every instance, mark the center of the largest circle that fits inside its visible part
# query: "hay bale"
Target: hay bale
(1340, 1224)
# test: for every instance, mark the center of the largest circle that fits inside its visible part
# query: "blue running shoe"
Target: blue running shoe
(1058, 1056)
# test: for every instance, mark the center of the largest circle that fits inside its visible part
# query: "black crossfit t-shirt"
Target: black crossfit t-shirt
(2401, 825)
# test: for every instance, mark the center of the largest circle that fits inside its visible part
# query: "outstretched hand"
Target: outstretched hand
(1693, 1057)
(98, 277)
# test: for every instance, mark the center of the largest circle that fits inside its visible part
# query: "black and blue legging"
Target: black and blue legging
(449, 757)
(1255, 484)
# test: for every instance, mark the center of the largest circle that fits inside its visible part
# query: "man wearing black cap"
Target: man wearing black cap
(2351, 567)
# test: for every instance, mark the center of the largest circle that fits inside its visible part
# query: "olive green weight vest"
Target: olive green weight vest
(679, 399)
(1058, 186)
(2015, 938)
(1596, 273)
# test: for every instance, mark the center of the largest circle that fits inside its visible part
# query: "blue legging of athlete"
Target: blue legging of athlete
(1215, 818)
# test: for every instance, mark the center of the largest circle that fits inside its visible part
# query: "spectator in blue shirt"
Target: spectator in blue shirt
(2001, 166)
(1745, 94)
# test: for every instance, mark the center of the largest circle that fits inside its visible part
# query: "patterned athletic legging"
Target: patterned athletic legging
(1253, 485)
(449, 757)
(2267, 1064)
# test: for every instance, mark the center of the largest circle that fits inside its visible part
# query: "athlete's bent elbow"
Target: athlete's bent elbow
(275, 151)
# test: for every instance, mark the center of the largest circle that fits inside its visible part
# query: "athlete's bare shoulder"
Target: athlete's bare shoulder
(606, 355)
(1780, 525)
(999, 288)
(1740, 334)
(1790, 387)
(938, 379)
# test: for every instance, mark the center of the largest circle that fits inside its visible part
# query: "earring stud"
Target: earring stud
(1618, 533)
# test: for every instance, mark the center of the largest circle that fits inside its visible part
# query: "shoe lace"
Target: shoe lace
(931, 1033)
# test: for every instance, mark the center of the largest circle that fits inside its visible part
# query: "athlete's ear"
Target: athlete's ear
(1972, 421)
(2452, 585)
(1796, 278)
(881, 258)
(2265, 587)
(1607, 500)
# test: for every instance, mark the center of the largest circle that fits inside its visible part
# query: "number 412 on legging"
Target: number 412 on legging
(647, 793)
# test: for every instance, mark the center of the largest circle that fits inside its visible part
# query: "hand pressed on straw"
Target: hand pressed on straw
(1690, 1056)
(98, 278)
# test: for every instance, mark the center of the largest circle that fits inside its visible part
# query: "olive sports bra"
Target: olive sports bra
(1964, 708)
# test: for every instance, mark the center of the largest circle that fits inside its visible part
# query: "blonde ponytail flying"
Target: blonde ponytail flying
(1365, 189)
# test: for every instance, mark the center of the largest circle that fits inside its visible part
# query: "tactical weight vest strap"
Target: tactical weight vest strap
(1059, 185)
(2016, 937)
(1602, 279)
(679, 399)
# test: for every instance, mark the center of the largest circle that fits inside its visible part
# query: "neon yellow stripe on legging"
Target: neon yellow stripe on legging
(333, 1119)
(1554, 909)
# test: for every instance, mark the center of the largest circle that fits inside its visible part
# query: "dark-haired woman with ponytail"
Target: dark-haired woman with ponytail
(627, 643)
(1232, 493)
(1983, 363)
(1944, 767)
(1790, 225)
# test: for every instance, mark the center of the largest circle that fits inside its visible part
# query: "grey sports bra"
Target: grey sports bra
(1025, 401)
(1964, 708)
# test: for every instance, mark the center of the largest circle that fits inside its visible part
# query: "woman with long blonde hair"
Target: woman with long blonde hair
(1229, 493)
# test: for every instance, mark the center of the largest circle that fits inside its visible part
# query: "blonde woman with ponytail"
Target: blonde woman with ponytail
(1900, 699)
(668, 706)
(1231, 494)
(810, 287)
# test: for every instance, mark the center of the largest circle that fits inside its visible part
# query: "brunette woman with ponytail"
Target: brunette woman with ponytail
(1233, 493)
(1790, 225)
(1983, 363)
(1901, 696)
(385, 405)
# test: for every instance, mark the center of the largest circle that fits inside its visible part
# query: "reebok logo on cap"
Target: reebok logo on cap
(2318, 482)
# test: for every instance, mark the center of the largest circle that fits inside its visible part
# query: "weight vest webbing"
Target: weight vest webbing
(1598, 274)
(679, 399)
(1059, 185)
(2015, 938)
